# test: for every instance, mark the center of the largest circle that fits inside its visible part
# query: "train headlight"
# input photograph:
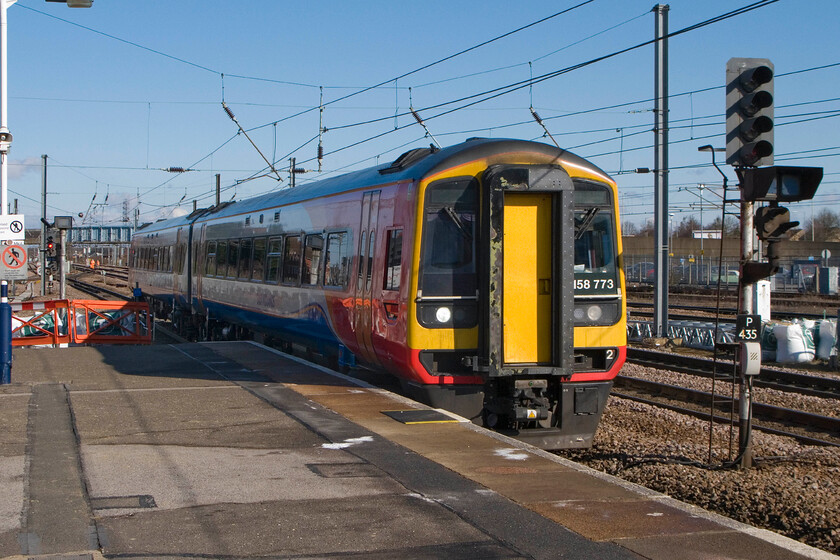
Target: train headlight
(443, 314)
(588, 313)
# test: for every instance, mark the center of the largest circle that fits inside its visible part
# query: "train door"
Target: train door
(526, 321)
(178, 287)
(362, 320)
(528, 217)
(198, 270)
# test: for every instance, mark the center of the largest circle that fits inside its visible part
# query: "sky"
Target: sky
(117, 94)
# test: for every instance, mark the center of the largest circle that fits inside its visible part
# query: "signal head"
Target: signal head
(749, 112)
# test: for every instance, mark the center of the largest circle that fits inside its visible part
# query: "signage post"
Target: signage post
(748, 333)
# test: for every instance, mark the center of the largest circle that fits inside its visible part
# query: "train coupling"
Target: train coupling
(530, 402)
(476, 363)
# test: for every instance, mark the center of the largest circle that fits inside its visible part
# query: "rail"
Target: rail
(792, 423)
(770, 378)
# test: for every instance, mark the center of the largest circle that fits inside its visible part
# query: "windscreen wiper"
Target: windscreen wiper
(582, 225)
(450, 213)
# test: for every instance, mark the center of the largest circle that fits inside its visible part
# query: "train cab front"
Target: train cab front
(519, 309)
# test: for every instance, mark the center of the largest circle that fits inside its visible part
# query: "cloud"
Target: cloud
(18, 169)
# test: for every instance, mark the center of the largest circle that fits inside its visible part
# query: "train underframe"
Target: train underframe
(546, 412)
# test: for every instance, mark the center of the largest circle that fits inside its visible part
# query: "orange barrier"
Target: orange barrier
(111, 322)
(41, 323)
(82, 322)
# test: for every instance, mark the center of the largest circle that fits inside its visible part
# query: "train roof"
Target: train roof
(410, 166)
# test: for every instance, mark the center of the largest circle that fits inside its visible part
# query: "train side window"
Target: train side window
(361, 272)
(221, 258)
(393, 252)
(370, 260)
(258, 265)
(245, 247)
(275, 259)
(337, 269)
(233, 257)
(210, 261)
(291, 260)
(312, 258)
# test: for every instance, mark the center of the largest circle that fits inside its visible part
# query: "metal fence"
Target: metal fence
(793, 275)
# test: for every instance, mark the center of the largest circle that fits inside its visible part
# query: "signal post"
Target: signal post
(749, 148)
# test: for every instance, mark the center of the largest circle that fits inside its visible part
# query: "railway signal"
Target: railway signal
(749, 112)
(773, 185)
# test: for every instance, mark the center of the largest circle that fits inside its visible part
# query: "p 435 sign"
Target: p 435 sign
(748, 328)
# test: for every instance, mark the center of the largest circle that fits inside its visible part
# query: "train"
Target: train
(486, 277)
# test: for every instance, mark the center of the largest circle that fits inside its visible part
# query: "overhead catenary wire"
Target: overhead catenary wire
(242, 130)
(321, 153)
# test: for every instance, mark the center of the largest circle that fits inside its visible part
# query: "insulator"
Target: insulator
(417, 117)
(175, 169)
(229, 112)
(320, 151)
(536, 116)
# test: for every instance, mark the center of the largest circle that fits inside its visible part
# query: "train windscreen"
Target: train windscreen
(596, 272)
(448, 261)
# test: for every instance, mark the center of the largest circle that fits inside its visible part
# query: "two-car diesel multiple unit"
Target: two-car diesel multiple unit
(486, 276)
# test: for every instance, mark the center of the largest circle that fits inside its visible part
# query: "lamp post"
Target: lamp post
(700, 187)
(670, 234)
(5, 144)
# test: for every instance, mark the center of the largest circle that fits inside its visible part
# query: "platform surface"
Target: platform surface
(232, 450)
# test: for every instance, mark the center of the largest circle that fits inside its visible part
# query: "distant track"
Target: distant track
(770, 378)
(96, 291)
(727, 314)
(768, 418)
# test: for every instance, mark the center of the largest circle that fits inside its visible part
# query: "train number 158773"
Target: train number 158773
(595, 284)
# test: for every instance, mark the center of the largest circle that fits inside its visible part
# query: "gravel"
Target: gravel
(807, 403)
(792, 489)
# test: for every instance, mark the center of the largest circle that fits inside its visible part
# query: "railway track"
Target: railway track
(805, 427)
(770, 378)
(96, 290)
(120, 272)
(699, 312)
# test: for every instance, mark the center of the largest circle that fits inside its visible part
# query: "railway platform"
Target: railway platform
(232, 450)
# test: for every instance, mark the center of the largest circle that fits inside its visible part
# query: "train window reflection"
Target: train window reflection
(221, 258)
(337, 266)
(233, 257)
(393, 252)
(448, 263)
(210, 262)
(370, 260)
(596, 273)
(275, 258)
(245, 248)
(291, 260)
(312, 258)
(593, 245)
(259, 259)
